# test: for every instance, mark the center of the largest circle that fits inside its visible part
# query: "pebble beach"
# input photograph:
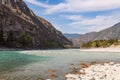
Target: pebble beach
(98, 71)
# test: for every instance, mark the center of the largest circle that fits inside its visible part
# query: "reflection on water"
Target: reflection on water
(29, 65)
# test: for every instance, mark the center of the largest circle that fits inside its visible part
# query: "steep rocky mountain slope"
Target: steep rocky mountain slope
(109, 33)
(20, 27)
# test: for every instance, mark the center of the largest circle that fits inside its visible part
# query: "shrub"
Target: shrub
(25, 40)
(1, 37)
(100, 43)
(10, 41)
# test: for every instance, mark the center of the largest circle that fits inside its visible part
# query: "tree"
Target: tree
(1, 37)
(100, 43)
(94, 44)
(25, 40)
(10, 39)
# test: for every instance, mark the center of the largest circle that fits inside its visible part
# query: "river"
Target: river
(34, 64)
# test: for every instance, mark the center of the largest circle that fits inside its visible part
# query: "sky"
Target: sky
(77, 16)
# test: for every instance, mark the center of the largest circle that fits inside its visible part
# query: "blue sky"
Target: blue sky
(77, 16)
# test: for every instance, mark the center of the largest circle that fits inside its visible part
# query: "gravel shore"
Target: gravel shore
(104, 71)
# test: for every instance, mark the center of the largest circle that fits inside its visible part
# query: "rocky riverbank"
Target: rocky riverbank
(98, 71)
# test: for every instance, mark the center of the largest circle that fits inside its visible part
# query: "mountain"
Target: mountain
(106, 34)
(20, 27)
(71, 36)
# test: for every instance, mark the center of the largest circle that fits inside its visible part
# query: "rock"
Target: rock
(52, 75)
(40, 79)
(51, 71)
(84, 65)
(48, 79)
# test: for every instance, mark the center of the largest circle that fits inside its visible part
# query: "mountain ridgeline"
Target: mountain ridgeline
(21, 28)
(106, 34)
(71, 36)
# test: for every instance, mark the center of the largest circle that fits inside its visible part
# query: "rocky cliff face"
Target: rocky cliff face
(20, 27)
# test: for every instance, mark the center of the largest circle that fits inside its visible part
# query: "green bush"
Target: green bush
(10, 40)
(1, 37)
(52, 44)
(100, 43)
(25, 40)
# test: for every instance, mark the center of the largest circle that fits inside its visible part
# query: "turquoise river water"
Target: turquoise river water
(33, 64)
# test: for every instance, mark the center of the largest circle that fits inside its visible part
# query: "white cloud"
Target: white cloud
(97, 23)
(73, 17)
(79, 22)
(84, 6)
(78, 5)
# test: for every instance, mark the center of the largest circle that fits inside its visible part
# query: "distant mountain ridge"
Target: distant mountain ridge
(106, 34)
(25, 29)
(71, 36)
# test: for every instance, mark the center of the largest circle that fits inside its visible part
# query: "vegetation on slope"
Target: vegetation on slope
(9, 41)
(24, 40)
(101, 43)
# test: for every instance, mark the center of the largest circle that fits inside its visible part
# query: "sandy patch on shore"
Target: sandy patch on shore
(102, 49)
